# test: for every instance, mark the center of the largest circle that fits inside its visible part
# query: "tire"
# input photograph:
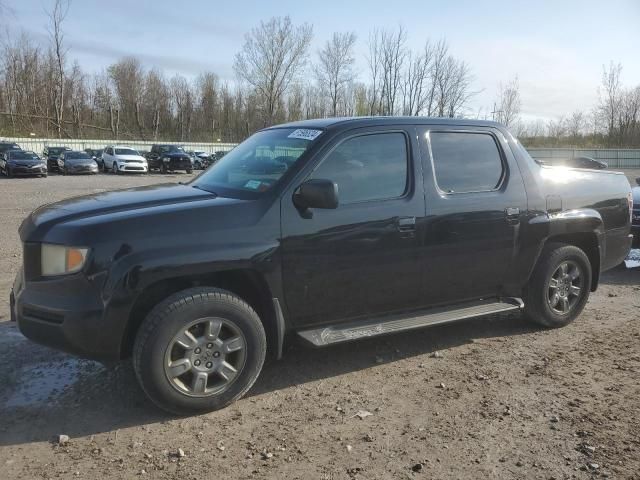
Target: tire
(539, 294)
(189, 170)
(8, 172)
(114, 168)
(163, 168)
(156, 348)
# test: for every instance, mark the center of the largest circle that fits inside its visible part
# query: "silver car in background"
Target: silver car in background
(71, 162)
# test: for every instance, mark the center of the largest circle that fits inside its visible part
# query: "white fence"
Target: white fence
(616, 158)
(37, 144)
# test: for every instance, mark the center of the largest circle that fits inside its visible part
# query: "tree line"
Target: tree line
(278, 79)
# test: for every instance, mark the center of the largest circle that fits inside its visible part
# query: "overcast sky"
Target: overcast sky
(556, 48)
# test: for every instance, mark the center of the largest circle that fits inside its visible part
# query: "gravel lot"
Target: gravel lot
(499, 399)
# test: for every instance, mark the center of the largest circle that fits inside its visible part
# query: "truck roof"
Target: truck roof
(372, 121)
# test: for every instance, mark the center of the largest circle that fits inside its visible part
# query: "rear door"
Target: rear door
(475, 200)
(360, 259)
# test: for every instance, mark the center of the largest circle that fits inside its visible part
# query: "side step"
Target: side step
(329, 335)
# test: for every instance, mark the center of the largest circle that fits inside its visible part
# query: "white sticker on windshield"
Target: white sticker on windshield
(253, 184)
(305, 134)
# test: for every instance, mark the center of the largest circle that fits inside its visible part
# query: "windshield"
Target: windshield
(171, 149)
(77, 156)
(57, 150)
(21, 155)
(9, 146)
(126, 151)
(259, 162)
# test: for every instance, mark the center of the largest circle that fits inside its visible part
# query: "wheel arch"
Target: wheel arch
(248, 284)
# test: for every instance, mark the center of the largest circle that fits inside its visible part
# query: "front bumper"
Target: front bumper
(66, 313)
(28, 169)
(133, 167)
(179, 164)
(82, 169)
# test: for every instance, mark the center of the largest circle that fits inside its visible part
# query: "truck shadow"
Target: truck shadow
(46, 393)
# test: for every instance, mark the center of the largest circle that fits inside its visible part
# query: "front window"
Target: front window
(259, 162)
(21, 155)
(126, 151)
(171, 149)
(77, 156)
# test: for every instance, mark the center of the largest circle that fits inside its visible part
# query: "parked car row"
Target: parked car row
(117, 159)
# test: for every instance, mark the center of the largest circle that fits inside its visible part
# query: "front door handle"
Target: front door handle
(406, 224)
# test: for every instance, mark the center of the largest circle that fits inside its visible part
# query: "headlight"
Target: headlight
(165, 159)
(61, 260)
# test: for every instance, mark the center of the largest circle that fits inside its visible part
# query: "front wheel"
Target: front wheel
(199, 350)
(189, 170)
(559, 287)
(163, 168)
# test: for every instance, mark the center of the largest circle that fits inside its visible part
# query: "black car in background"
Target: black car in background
(96, 153)
(71, 162)
(169, 157)
(51, 155)
(23, 163)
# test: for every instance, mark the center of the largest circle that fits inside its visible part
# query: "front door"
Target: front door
(360, 259)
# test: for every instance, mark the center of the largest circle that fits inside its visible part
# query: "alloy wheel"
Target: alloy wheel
(565, 287)
(206, 357)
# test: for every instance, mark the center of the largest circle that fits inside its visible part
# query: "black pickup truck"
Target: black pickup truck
(169, 157)
(330, 230)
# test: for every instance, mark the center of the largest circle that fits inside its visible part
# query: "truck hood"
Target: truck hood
(106, 203)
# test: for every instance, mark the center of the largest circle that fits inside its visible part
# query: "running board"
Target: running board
(329, 335)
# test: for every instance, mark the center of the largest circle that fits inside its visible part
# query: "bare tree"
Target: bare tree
(610, 97)
(56, 17)
(507, 105)
(273, 56)
(335, 67)
(576, 124)
(416, 80)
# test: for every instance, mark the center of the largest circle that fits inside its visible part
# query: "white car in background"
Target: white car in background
(123, 159)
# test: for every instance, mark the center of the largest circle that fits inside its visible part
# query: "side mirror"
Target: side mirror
(316, 193)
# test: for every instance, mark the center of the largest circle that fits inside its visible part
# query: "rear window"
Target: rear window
(465, 161)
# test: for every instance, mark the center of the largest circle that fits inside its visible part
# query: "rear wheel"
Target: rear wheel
(559, 287)
(199, 350)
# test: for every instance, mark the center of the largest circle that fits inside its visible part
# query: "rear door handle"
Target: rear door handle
(406, 224)
(512, 215)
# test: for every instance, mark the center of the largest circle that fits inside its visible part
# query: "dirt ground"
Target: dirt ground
(486, 398)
